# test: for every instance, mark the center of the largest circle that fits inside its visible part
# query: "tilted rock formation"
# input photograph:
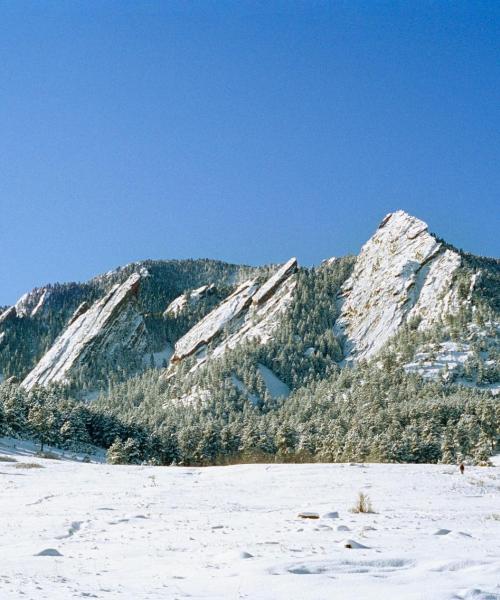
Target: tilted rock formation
(83, 307)
(249, 313)
(109, 327)
(261, 319)
(273, 283)
(32, 303)
(402, 272)
(204, 331)
(8, 314)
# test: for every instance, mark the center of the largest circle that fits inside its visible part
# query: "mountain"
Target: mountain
(110, 327)
(169, 342)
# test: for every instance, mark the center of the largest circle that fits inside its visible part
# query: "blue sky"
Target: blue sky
(244, 131)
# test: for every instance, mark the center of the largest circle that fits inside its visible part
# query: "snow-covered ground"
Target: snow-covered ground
(134, 533)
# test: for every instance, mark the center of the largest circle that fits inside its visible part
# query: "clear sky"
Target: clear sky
(243, 131)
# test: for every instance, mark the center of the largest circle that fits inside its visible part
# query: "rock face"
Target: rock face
(204, 331)
(179, 304)
(260, 321)
(83, 307)
(402, 272)
(273, 283)
(31, 303)
(112, 325)
(8, 314)
(249, 313)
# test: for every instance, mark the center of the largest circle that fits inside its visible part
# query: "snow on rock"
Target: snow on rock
(211, 325)
(402, 272)
(8, 314)
(434, 293)
(31, 303)
(274, 385)
(49, 552)
(273, 283)
(249, 313)
(449, 359)
(308, 515)
(449, 356)
(328, 262)
(83, 307)
(111, 325)
(180, 303)
(195, 395)
(261, 320)
(176, 306)
(353, 545)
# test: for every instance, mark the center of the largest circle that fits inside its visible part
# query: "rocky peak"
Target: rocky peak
(110, 326)
(272, 284)
(402, 272)
(31, 303)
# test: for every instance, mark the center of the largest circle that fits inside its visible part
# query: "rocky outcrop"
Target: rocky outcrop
(177, 306)
(111, 326)
(402, 272)
(82, 308)
(210, 326)
(8, 315)
(251, 312)
(32, 303)
(273, 283)
(261, 320)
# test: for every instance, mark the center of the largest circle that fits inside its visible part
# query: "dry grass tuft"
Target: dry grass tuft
(7, 459)
(363, 504)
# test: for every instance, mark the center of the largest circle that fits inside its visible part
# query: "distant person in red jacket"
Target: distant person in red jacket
(462, 468)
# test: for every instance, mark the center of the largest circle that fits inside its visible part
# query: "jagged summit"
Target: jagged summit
(401, 272)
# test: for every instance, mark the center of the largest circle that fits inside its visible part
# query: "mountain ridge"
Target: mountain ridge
(391, 355)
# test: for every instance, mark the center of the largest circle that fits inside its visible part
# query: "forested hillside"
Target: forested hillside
(392, 355)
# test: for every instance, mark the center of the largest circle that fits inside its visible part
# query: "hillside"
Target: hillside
(392, 355)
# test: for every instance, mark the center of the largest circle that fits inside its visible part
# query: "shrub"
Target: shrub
(7, 459)
(363, 504)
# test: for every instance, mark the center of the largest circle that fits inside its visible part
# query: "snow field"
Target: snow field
(74, 530)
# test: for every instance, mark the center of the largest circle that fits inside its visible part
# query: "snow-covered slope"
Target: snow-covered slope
(402, 272)
(111, 325)
(73, 530)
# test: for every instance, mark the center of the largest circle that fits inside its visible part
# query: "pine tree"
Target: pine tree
(41, 422)
(116, 453)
